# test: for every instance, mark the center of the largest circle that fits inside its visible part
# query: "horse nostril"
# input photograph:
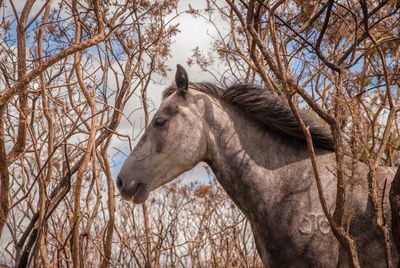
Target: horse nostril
(119, 182)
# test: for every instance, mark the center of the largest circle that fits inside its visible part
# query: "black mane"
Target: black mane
(263, 106)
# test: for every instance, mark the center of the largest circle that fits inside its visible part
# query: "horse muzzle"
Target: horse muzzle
(132, 191)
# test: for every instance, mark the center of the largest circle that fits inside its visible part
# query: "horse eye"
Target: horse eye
(160, 121)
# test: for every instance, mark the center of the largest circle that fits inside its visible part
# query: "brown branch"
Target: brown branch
(76, 250)
(23, 100)
(40, 249)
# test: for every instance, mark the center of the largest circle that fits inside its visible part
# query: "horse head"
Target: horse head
(173, 143)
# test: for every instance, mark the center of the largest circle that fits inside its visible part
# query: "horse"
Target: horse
(257, 151)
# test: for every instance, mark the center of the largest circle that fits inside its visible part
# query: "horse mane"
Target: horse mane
(263, 106)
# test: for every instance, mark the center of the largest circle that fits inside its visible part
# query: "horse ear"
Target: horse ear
(181, 80)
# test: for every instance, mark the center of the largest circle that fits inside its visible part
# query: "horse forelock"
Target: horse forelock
(263, 106)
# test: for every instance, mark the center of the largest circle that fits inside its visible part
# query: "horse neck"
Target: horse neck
(243, 155)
